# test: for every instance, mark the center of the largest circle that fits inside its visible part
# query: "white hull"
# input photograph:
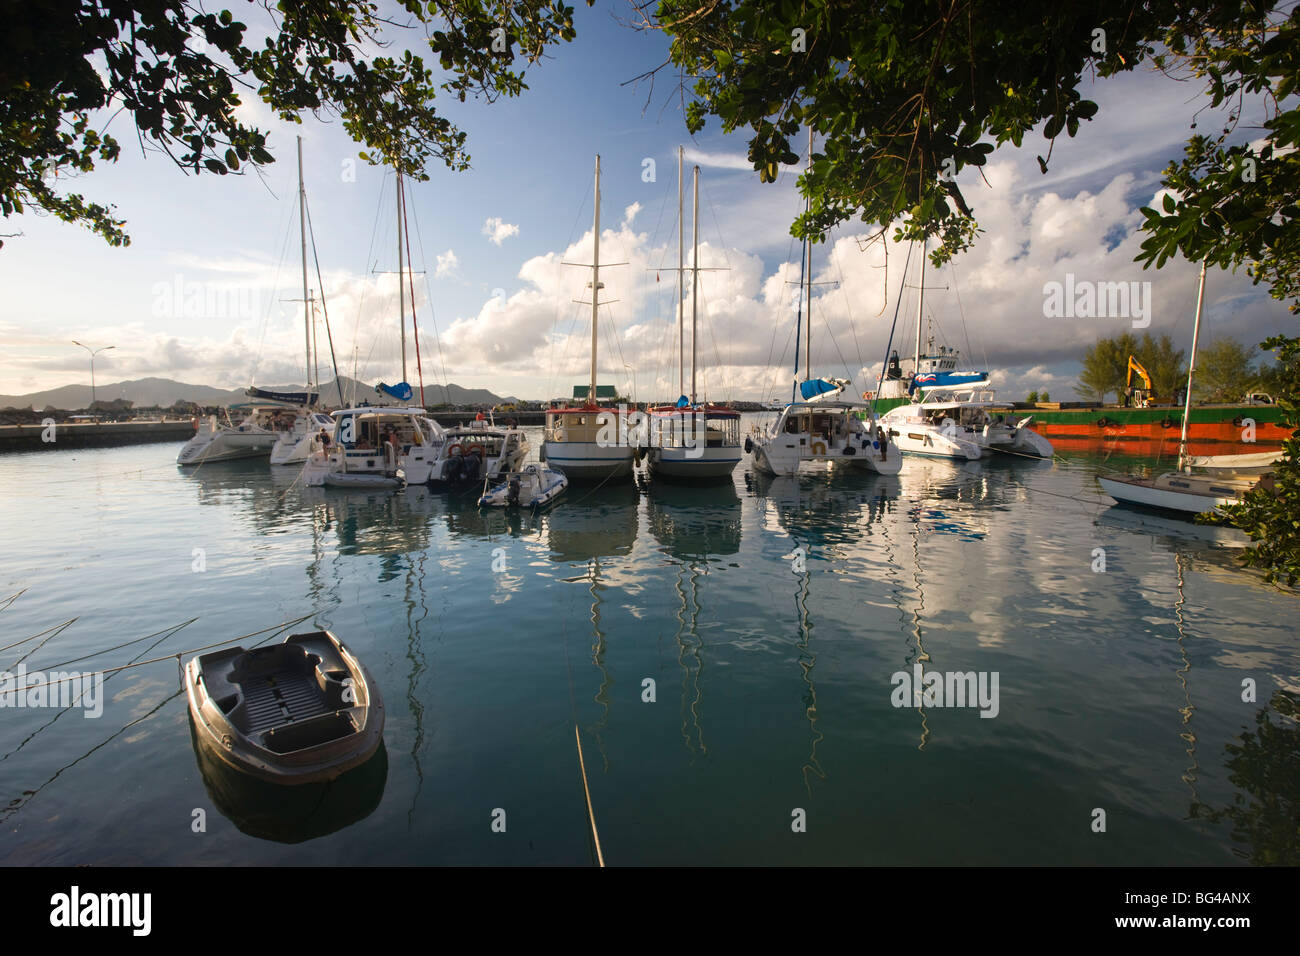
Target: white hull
(288, 451)
(588, 461)
(224, 445)
(538, 487)
(927, 440)
(1198, 497)
(783, 456)
(1259, 463)
(717, 462)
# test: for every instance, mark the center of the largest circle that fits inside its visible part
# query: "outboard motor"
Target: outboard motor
(895, 371)
(454, 469)
(473, 468)
(512, 493)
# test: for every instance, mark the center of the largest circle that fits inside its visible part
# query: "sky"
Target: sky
(206, 291)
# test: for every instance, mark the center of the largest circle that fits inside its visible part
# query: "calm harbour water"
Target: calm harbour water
(490, 636)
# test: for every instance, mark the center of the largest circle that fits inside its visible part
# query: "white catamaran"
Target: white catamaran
(824, 425)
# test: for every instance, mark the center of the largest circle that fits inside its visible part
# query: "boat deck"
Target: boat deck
(273, 700)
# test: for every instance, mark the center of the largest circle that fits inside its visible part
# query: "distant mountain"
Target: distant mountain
(165, 391)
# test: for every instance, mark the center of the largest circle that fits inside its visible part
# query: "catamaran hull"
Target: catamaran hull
(223, 446)
(784, 459)
(588, 461)
(291, 452)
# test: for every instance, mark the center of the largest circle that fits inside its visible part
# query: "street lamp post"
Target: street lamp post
(93, 353)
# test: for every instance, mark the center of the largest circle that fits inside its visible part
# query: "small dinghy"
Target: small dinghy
(304, 711)
(534, 487)
(361, 479)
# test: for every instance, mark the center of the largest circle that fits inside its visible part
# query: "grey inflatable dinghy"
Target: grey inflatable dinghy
(299, 712)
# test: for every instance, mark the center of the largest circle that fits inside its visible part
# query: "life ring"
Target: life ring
(1104, 423)
(558, 435)
(819, 445)
(453, 449)
(1167, 422)
(476, 449)
(1237, 422)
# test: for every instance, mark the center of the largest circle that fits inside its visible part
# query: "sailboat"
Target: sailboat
(279, 424)
(687, 439)
(583, 440)
(381, 446)
(953, 413)
(1182, 490)
(822, 423)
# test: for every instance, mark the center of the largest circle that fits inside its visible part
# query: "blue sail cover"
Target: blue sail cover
(683, 402)
(292, 398)
(948, 379)
(816, 386)
(401, 391)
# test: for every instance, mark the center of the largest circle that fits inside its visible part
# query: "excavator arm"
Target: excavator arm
(1135, 366)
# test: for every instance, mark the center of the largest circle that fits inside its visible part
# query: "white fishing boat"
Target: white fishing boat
(374, 447)
(585, 441)
(535, 486)
(480, 449)
(691, 440)
(824, 426)
(1183, 491)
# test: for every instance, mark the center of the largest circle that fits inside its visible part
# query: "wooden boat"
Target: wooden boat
(534, 487)
(304, 711)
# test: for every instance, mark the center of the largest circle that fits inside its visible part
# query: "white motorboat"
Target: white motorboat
(374, 447)
(585, 441)
(1257, 463)
(963, 422)
(536, 486)
(480, 449)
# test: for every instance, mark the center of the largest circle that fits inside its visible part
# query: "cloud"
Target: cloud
(447, 263)
(498, 230)
(717, 160)
(630, 212)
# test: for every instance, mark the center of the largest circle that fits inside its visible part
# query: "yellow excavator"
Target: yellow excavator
(1138, 397)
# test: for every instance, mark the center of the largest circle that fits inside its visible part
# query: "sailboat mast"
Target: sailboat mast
(808, 272)
(595, 284)
(695, 279)
(681, 320)
(302, 229)
(920, 305)
(1191, 368)
(401, 290)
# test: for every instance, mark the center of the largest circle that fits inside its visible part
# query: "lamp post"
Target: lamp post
(93, 353)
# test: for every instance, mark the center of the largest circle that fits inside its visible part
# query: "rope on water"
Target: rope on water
(587, 790)
(154, 660)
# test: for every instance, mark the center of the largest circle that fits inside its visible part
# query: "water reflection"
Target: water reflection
(291, 814)
(1264, 766)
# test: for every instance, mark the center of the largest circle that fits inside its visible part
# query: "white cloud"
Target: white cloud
(630, 212)
(717, 160)
(447, 263)
(498, 230)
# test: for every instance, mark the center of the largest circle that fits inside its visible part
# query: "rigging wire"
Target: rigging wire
(320, 281)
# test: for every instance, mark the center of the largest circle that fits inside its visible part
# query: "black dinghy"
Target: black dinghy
(299, 712)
